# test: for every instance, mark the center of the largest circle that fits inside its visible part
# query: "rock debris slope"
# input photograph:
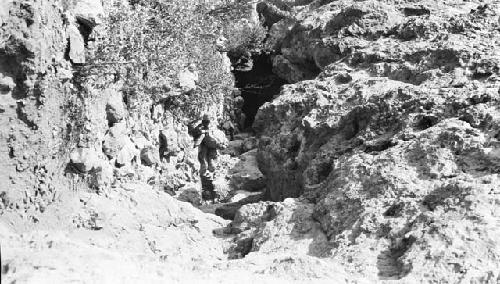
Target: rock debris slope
(377, 161)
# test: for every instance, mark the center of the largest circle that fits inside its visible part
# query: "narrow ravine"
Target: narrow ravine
(257, 84)
(364, 141)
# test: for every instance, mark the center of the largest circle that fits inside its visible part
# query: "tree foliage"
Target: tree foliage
(145, 45)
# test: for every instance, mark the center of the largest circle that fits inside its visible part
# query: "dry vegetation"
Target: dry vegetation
(145, 45)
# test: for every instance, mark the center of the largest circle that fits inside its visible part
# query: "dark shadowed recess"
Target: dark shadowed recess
(258, 84)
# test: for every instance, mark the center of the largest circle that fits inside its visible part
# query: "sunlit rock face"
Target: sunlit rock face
(395, 139)
(373, 154)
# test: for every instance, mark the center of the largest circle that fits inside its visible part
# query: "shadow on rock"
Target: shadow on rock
(228, 210)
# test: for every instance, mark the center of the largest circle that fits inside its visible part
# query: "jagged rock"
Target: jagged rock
(168, 142)
(241, 195)
(149, 156)
(141, 142)
(251, 215)
(228, 211)
(392, 152)
(126, 154)
(103, 177)
(216, 139)
(385, 129)
(115, 108)
(234, 148)
(115, 139)
(100, 172)
(190, 194)
(279, 31)
(270, 13)
(277, 226)
(6, 83)
(84, 159)
(125, 171)
(147, 174)
(118, 146)
(292, 72)
(89, 12)
(245, 175)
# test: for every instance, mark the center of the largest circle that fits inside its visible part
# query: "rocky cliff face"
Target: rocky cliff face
(377, 159)
(73, 113)
(34, 81)
(395, 138)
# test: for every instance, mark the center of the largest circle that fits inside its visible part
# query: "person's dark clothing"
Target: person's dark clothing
(206, 154)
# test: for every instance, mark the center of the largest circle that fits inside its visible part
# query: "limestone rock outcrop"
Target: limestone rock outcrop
(394, 140)
(84, 159)
(245, 175)
(378, 161)
(115, 108)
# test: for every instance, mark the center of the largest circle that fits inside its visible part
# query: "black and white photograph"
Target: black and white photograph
(250, 141)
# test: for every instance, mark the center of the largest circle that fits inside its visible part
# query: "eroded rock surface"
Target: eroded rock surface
(245, 175)
(394, 141)
(378, 161)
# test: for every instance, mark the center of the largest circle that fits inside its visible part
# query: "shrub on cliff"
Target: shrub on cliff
(245, 37)
(147, 43)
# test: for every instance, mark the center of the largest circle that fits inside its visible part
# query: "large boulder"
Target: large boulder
(115, 139)
(87, 161)
(89, 12)
(169, 142)
(270, 13)
(395, 141)
(245, 175)
(6, 83)
(149, 156)
(234, 148)
(216, 139)
(228, 211)
(190, 193)
(292, 72)
(115, 108)
(118, 145)
(126, 154)
(76, 45)
(103, 176)
(286, 227)
(84, 159)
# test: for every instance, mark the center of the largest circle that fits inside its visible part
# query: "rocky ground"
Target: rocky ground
(376, 162)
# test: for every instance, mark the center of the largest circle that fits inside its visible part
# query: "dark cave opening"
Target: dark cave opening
(256, 81)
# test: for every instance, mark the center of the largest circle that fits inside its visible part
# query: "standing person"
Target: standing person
(209, 139)
(207, 153)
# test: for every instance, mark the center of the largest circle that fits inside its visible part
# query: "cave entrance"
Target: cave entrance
(257, 83)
